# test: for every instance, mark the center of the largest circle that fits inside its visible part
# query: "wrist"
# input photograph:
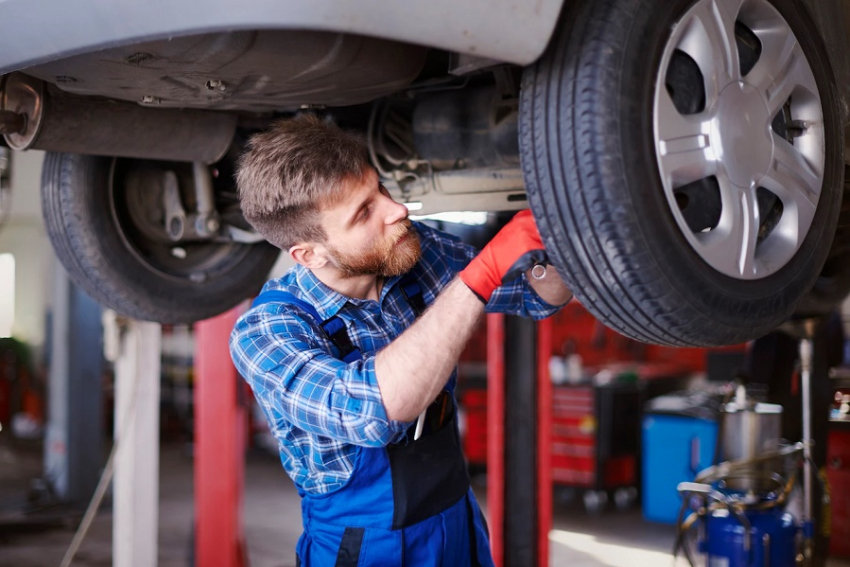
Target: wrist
(538, 272)
(478, 278)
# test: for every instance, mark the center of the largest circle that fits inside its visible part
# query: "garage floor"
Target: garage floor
(272, 522)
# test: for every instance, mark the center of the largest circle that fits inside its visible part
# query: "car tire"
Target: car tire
(833, 284)
(107, 256)
(590, 153)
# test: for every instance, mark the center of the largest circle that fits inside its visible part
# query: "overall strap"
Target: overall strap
(334, 328)
(411, 290)
(280, 296)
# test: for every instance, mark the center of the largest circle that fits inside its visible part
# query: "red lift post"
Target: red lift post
(220, 433)
(496, 433)
(544, 440)
(497, 491)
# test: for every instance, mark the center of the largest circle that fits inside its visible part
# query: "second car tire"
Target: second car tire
(85, 212)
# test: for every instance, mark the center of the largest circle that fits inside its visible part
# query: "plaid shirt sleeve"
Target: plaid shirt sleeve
(296, 380)
(519, 298)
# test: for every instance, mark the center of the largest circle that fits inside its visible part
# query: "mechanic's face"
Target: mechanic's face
(369, 233)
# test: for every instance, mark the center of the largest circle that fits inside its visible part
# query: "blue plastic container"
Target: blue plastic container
(675, 449)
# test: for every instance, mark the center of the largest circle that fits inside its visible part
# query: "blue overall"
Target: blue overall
(405, 505)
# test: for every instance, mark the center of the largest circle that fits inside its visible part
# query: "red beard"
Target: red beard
(396, 256)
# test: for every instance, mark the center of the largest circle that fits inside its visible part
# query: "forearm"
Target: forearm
(414, 368)
(551, 288)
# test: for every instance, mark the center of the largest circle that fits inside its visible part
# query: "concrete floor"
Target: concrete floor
(613, 538)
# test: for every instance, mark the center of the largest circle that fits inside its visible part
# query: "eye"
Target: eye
(364, 213)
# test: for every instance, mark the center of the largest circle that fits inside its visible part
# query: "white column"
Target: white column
(136, 484)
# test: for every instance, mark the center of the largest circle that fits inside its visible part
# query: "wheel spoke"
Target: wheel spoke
(732, 245)
(791, 177)
(747, 234)
(780, 72)
(683, 145)
(710, 41)
(777, 45)
(798, 186)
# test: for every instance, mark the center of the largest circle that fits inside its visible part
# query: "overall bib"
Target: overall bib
(405, 505)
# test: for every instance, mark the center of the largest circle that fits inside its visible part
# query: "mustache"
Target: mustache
(405, 227)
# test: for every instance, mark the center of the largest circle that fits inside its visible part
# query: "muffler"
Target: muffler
(38, 115)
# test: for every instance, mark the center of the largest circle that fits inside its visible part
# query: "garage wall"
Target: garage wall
(24, 236)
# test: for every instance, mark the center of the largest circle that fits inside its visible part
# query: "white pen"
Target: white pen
(420, 424)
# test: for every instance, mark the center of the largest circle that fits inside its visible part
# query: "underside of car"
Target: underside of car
(685, 166)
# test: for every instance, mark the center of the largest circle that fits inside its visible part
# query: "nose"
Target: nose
(395, 211)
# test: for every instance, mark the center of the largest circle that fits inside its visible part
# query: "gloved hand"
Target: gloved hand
(515, 249)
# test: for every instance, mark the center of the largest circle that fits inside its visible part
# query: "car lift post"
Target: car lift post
(220, 432)
(73, 439)
(519, 483)
(135, 348)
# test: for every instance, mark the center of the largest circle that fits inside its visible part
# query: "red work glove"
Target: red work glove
(515, 249)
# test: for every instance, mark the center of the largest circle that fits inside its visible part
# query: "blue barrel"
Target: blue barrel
(725, 539)
(675, 449)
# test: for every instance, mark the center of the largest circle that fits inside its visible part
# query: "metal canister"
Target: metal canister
(751, 430)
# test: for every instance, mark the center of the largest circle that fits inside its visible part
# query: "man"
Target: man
(357, 389)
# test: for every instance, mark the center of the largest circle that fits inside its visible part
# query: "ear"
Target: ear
(310, 255)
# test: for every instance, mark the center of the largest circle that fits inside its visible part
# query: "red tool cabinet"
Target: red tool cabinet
(596, 436)
(838, 475)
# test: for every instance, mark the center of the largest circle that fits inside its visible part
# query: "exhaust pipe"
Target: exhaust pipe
(36, 115)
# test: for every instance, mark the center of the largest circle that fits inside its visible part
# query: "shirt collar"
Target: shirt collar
(327, 301)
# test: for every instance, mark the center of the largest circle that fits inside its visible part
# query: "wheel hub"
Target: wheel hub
(741, 111)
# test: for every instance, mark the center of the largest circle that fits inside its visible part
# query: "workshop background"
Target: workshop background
(621, 424)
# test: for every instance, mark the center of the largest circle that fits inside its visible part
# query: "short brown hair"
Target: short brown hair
(292, 170)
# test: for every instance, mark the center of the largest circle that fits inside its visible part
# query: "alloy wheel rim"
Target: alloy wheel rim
(739, 136)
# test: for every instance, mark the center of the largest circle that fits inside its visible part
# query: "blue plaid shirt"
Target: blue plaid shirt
(320, 408)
